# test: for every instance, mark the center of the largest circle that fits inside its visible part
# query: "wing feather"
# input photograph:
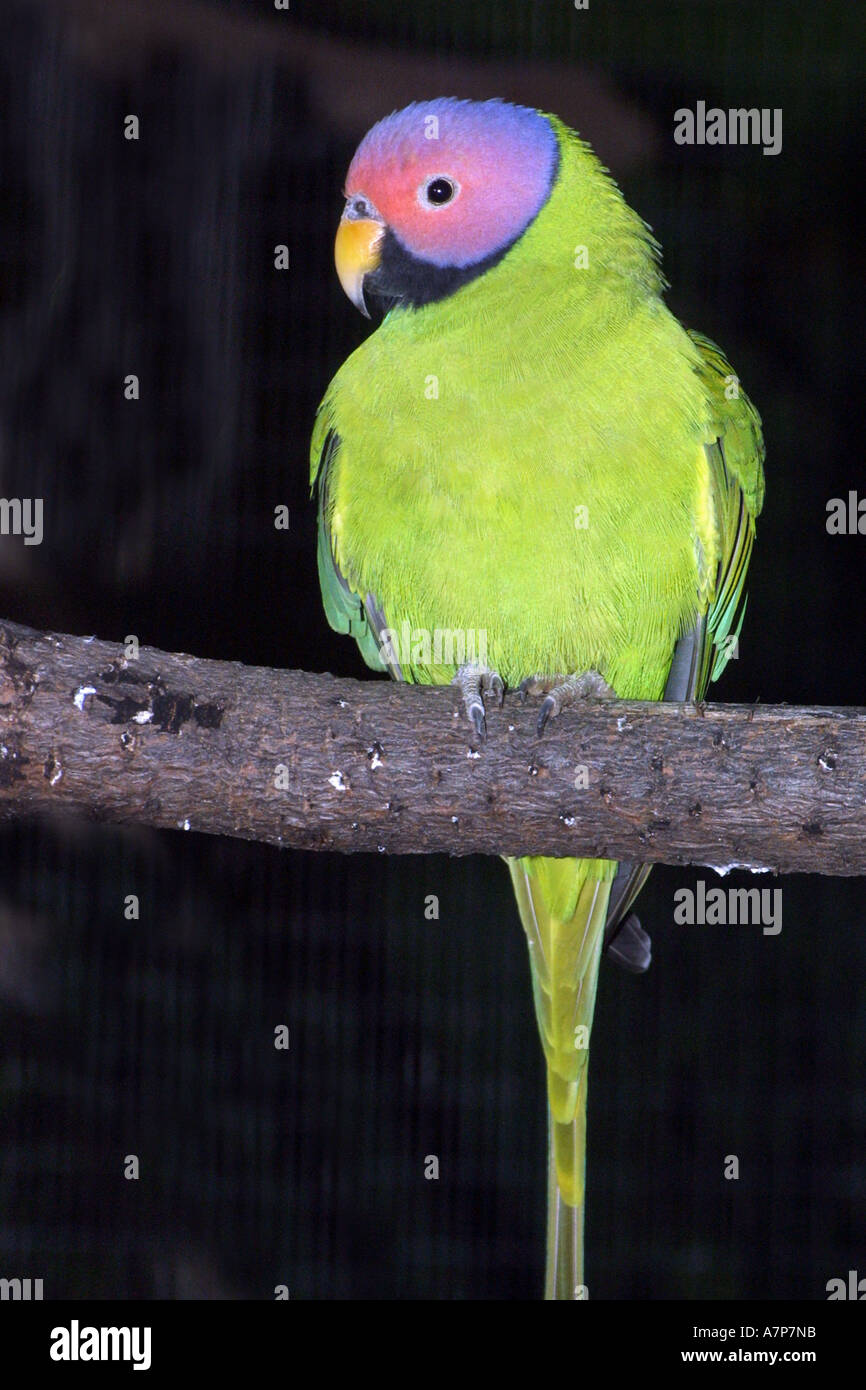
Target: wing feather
(736, 463)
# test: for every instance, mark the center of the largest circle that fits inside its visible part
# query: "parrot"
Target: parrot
(531, 447)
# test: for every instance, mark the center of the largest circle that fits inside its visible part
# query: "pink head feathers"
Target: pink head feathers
(454, 181)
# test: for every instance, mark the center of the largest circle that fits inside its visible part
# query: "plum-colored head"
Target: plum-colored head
(438, 191)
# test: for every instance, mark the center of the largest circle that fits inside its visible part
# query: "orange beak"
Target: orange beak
(356, 253)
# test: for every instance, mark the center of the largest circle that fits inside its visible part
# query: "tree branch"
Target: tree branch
(318, 763)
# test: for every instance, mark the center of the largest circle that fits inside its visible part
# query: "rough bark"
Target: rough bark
(319, 763)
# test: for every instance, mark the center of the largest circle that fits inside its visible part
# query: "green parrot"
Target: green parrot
(532, 457)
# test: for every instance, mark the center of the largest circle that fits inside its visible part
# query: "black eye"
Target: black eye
(440, 191)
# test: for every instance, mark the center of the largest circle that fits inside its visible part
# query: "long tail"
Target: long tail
(563, 907)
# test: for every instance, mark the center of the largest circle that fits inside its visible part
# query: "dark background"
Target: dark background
(408, 1037)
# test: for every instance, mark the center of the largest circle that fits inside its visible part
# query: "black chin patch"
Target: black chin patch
(401, 278)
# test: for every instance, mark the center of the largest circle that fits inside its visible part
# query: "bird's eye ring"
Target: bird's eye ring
(438, 191)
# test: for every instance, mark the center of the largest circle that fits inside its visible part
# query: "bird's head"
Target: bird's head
(436, 194)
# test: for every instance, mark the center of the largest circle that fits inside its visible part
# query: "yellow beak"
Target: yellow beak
(356, 253)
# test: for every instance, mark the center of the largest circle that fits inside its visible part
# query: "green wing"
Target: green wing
(736, 458)
(347, 611)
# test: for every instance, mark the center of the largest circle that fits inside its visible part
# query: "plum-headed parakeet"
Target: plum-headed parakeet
(530, 449)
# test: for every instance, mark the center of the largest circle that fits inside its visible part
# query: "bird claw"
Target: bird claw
(630, 946)
(550, 707)
(474, 683)
(476, 714)
(560, 691)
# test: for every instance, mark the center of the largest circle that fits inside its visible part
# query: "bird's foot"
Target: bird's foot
(474, 683)
(561, 691)
(630, 946)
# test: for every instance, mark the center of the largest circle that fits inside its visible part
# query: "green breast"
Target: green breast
(529, 488)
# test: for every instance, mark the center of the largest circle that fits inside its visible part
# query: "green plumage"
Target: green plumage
(549, 458)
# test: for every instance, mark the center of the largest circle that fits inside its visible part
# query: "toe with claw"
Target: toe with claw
(561, 691)
(476, 683)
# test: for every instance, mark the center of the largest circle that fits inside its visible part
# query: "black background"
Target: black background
(408, 1037)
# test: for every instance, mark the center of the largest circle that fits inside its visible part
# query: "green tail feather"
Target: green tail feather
(563, 907)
